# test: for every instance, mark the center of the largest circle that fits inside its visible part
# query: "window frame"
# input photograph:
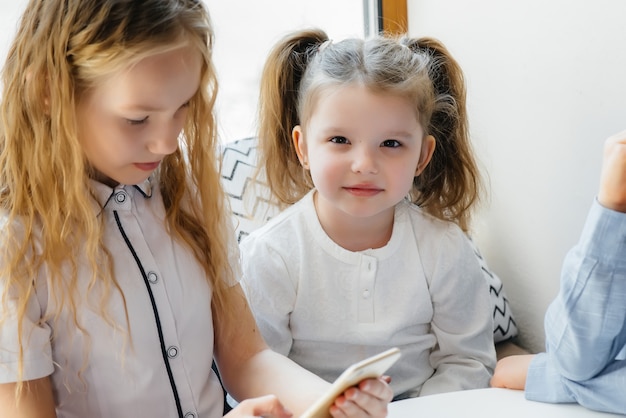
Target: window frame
(393, 16)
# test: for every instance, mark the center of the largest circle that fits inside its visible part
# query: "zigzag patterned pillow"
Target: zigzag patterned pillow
(249, 200)
(504, 326)
(251, 208)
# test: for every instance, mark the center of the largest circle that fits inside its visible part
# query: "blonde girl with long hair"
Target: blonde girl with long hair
(118, 275)
(366, 143)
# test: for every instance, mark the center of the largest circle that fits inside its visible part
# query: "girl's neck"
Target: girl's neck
(352, 233)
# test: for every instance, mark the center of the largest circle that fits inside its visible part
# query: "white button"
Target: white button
(153, 277)
(172, 352)
(120, 197)
(190, 415)
(366, 294)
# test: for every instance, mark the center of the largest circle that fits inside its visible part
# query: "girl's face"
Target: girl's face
(363, 150)
(129, 123)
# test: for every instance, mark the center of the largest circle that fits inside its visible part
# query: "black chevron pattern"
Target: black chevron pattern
(504, 325)
(251, 208)
(248, 197)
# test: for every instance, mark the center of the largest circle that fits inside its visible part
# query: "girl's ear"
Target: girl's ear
(300, 145)
(428, 148)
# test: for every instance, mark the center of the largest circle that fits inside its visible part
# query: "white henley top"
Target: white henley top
(327, 307)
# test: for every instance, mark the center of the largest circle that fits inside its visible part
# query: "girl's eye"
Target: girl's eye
(136, 121)
(339, 140)
(390, 143)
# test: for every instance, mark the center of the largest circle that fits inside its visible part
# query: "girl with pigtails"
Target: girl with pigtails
(366, 143)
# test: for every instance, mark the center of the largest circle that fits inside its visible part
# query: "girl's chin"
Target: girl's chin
(138, 178)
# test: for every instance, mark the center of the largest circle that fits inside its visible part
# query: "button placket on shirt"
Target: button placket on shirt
(123, 201)
(172, 350)
(365, 296)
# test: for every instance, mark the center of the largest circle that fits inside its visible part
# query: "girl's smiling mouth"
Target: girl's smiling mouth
(363, 190)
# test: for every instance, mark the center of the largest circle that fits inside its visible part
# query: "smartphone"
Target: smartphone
(371, 367)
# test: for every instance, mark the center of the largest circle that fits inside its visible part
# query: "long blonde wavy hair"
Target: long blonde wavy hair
(306, 62)
(62, 49)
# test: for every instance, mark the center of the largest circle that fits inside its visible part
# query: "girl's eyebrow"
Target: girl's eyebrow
(399, 134)
(140, 107)
(333, 129)
(403, 134)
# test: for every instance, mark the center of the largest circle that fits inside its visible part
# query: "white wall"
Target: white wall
(546, 86)
(10, 12)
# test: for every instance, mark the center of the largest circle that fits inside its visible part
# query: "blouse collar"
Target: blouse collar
(103, 193)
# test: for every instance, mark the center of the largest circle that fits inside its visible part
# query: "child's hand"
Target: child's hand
(265, 406)
(511, 372)
(612, 194)
(369, 399)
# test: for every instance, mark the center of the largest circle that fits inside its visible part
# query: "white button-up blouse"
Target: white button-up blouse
(161, 365)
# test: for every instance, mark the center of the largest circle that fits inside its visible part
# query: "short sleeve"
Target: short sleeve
(270, 292)
(35, 335)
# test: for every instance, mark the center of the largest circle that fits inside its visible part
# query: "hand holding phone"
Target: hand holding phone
(371, 367)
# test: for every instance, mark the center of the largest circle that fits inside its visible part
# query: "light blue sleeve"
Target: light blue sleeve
(586, 323)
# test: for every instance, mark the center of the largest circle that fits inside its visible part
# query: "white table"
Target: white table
(487, 403)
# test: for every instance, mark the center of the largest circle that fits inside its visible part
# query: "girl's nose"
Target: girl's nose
(165, 141)
(364, 161)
